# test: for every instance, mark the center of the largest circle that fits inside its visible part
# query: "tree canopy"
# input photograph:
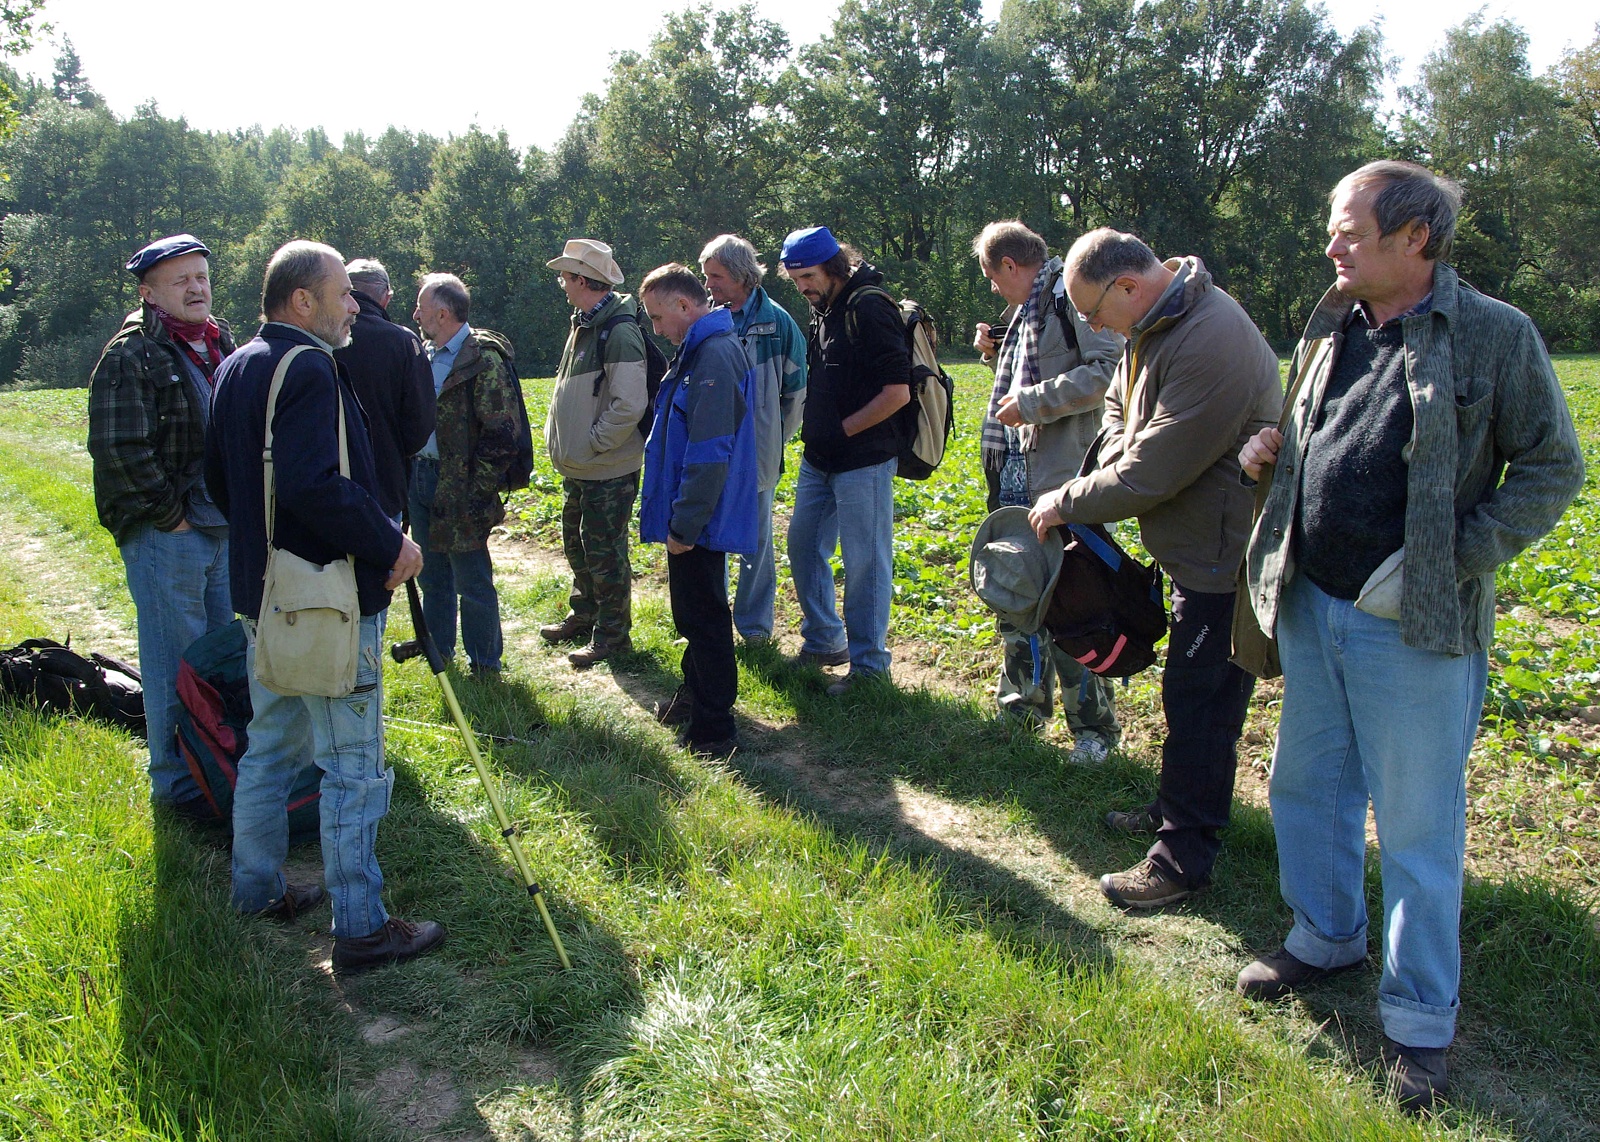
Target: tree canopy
(1212, 127)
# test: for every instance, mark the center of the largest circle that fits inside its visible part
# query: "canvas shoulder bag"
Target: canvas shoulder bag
(308, 639)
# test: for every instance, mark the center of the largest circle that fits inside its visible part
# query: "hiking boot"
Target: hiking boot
(1145, 885)
(712, 751)
(587, 656)
(856, 678)
(296, 898)
(569, 629)
(1088, 748)
(396, 941)
(1137, 823)
(821, 658)
(675, 710)
(1416, 1076)
(1276, 975)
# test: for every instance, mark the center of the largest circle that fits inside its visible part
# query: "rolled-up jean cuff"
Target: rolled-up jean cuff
(1414, 1024)
(1319, 951)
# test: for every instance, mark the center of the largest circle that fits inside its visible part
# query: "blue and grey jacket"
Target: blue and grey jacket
(776, 347)
(700, 466)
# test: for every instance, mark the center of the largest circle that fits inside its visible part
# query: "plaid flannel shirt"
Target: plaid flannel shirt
(146, 437)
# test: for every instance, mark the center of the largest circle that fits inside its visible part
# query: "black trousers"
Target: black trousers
(1205, 698)
(698, 583)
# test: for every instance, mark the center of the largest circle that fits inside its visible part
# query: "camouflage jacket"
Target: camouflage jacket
(146, 436)
(477, 433)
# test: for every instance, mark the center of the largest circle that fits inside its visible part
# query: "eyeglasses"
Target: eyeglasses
(1088, 318)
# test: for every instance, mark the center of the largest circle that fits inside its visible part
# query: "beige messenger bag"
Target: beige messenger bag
(308, 639)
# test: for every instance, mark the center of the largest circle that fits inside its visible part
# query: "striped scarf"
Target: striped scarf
(1016, 365)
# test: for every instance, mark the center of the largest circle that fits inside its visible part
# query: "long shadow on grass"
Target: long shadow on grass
(1531, 956)
(230, 1027)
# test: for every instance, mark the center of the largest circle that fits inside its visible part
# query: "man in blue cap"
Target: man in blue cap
(149, 414)
(859, 377)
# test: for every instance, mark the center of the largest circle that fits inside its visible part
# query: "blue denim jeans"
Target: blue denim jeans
(1364, 716)
(179, 584)
(757, 591)
(345, 737)
(446, 574)
(853, 511)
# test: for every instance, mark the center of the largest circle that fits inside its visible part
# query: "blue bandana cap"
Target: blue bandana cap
(809, 247)
(162, 249)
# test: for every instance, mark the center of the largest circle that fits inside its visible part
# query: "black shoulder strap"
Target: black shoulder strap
(600, 343)
(1069, 325)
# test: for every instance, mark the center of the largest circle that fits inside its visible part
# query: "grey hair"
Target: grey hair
(1104, 255)
(295, 265)
(1009, 239)
(1408, 193)
(737, 256)
(448, 291)
(369, 276)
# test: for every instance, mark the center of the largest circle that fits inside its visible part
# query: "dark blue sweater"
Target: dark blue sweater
(321, 516)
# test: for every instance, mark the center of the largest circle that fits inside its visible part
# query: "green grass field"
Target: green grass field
(878, 921)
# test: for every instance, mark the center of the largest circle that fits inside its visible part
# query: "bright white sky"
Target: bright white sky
(513, 64)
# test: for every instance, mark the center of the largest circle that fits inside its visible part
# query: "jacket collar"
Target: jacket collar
(283, 331)
(1191, 282)
(368, 306)
(713, 323)
(1333, 311)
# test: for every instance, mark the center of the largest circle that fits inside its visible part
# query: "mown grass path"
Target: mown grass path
(878, 921)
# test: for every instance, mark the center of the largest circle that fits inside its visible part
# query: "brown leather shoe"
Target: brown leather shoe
(396, 941)
(569, 629)
(820, 658)
(587, 656)
(296, 898)
(1135, 823)
(1276, 975)
(1417, 1076)
(1145, 885)
(676, 710)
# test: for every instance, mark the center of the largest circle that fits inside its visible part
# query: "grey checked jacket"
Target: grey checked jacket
(1494, 460)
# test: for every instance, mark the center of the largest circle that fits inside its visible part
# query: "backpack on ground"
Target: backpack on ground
(1106, 610)
(520, 470)
(213, 730)
(49, 675)
(655, 366)
(926, 422)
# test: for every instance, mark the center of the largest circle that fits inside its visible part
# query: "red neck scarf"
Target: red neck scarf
(186, 332)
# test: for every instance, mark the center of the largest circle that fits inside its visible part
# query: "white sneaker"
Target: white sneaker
(1089, 748)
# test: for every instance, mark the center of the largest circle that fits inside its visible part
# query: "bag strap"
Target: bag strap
(1108, 554)
(603, 334)
(268, 473)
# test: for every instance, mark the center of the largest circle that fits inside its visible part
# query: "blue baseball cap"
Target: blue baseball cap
(162, 249)
(809, 247)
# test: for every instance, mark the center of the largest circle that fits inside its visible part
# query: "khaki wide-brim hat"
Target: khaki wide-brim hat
(1012, 572)
(589, 258)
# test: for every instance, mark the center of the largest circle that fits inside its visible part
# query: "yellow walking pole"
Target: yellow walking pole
(423, 645)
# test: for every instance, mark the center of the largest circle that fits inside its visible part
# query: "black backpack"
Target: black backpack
(655, 366)
(51, 676)
(1106, 610)
(520, 471)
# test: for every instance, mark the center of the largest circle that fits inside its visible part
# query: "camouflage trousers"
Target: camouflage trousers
(1086, 698)
(595, 515)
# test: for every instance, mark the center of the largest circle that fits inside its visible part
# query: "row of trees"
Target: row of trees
(1213, 127)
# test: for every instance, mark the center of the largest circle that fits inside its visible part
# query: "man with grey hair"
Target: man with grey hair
(1427, 442)
(390, 375)
(1197, 381)
(459, 471)
(325, 509)
(776, 349)
(1051, 375)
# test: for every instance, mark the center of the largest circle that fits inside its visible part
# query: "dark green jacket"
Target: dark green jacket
(146, 436)
(477, 433)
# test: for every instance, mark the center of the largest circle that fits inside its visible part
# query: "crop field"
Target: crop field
(878, 920)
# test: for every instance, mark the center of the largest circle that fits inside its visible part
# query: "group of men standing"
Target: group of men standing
(1424, 441)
